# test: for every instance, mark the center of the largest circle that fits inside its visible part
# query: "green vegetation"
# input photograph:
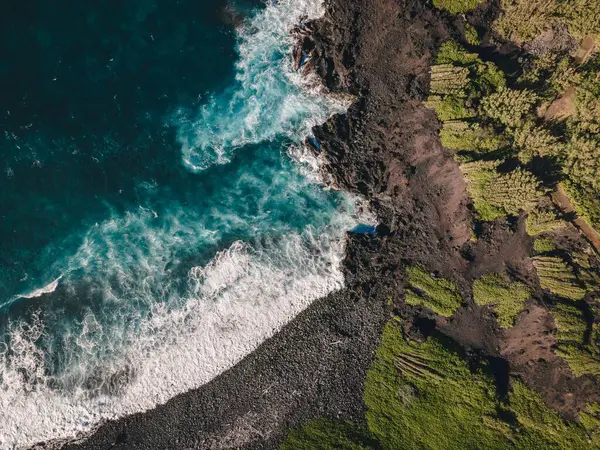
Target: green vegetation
(453, 53)
(590, 420)
(558, 277)
(325, 434)
(509, 107)
(532, 140)
(449, 107)
(572, 327)
(464, 135)
(517, 137)
(541, 427)
(542, 221)
(585, 200)
(523, 20)
(426, 396)
(471, 35)
(448, 79)
(438, 294)
(496, 194)
(456, 6)
(543, 245)
(507, 299)
(482, 115)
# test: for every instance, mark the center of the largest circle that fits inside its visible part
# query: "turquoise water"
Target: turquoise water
(156, 222)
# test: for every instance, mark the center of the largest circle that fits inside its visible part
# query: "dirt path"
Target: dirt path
(561, 200)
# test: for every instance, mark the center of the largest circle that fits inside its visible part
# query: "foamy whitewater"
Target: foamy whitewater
(168, 295)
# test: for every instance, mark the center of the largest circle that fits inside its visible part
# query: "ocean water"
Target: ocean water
(159, 217)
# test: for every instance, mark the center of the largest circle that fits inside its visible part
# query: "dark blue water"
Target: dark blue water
(153, 226)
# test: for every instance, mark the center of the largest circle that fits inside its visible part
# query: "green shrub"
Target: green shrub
(488, 78)
(510, 107)
(540, 221)
(558, 277)
(495, 194)
(582, 163)
(571, 328)
(450, 107)
(532, 140)
(471, 35)
(462, 135)
(456, 6)
(585, 201)
(478, 175)
(449, 79)
(514, 191)
(543, 245)
(582, 17)
(438, 294)
(523, 20)
(451, 52)
(508, 299)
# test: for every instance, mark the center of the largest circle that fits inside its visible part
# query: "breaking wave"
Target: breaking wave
(162, 298)
(264, 103)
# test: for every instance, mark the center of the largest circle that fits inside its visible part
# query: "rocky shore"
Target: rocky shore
(386, 148)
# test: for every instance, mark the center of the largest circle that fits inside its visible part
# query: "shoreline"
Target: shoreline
(386, 147)
(319, 324)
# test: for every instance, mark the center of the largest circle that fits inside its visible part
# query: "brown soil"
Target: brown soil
(561, 108)
(387, 148)
(529, 348)
(586, 49)
(561, 200)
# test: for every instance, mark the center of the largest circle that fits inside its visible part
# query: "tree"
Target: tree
(514, 191)
(449, 79)
(508, 106)
(532, 140)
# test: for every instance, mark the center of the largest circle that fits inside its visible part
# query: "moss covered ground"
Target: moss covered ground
(428, 396)
(507, 298)
(438, 294)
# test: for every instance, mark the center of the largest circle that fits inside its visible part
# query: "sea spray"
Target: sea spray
(163, 297)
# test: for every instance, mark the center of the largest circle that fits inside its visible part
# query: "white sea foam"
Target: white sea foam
(235, 302)
(183, 336)
(49, 288)
(265, 101)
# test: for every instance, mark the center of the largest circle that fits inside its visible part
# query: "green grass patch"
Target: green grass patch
(326, 434)
(507, 298)
(438, 294)
(425, 396)
(540, 426)
(571, 324)
(543, 245)
(456, 6)
(558, 277)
